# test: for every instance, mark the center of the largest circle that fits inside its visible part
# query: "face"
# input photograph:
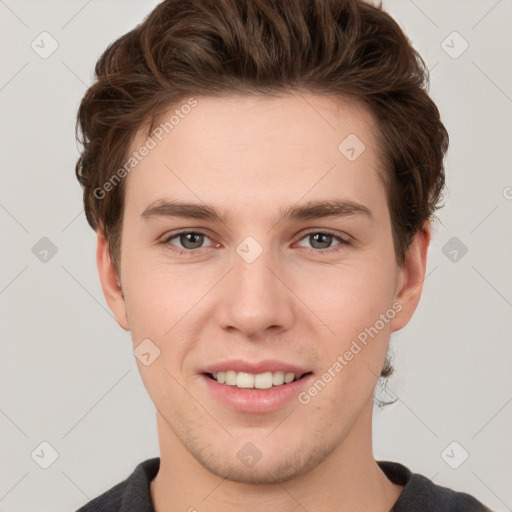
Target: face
(281, 266)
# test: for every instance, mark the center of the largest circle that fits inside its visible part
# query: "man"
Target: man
(261, 176)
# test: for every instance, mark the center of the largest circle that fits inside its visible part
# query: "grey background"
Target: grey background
(68, 376)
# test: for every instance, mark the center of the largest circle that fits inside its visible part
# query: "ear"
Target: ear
(110, 282)
(411, 277)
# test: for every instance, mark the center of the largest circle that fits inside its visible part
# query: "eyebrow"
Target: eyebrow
(307, 211)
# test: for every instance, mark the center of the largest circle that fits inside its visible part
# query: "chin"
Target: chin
(260, 474)
(279, 468)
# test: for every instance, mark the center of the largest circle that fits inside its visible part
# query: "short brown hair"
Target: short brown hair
(341, 48)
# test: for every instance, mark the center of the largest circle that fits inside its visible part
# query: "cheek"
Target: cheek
(158, 302)
(348, 298)
(148, 297)
(162, 298)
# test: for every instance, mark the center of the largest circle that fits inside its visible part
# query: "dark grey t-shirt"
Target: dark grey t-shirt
(419, 495)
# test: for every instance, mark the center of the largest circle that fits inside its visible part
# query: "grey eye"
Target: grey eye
(191, 240)
(321, 240)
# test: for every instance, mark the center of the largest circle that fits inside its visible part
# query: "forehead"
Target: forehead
(261, 148)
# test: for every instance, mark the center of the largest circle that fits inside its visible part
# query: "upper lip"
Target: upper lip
(268, 365)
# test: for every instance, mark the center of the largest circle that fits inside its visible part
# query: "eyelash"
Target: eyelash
(342, 242)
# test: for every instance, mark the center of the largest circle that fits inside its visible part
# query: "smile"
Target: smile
(245, 380)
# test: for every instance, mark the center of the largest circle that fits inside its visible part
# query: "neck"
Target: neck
(348, 479)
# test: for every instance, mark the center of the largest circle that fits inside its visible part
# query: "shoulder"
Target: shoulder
(132, 494)
(420, 492)
(108, 501)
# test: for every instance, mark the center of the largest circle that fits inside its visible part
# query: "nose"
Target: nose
(256, 298)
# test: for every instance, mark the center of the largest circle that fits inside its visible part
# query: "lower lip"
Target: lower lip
(256, 400)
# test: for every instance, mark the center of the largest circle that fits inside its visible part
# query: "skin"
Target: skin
(249, 157)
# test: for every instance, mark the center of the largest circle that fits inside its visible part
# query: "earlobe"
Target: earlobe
(411, 277)
(110, 283)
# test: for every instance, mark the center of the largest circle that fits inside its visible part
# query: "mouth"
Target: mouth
(252, 386)
(258, 381)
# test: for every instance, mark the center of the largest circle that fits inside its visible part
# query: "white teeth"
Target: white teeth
(288, 377)
(246, 380)
(263, 380)
(231, 378)
(278, 378)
